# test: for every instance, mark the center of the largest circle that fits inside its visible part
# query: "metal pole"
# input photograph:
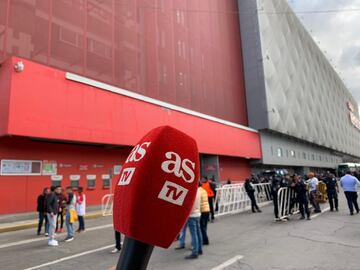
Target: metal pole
(135, 255)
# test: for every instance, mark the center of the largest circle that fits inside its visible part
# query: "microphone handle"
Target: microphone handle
(135, 255)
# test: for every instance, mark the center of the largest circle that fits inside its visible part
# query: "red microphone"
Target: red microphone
(155, 194)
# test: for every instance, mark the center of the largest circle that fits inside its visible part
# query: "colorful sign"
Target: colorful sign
(49, 167)
(20, 167)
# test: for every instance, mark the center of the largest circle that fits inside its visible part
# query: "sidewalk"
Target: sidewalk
(24, 221)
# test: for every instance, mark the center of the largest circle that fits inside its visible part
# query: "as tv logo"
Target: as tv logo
(173, 193)
(126, 176)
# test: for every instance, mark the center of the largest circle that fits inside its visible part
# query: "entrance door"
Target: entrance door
(210, 167)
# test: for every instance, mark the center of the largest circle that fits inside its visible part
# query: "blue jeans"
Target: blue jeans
(183, 235)
(69, 226)
(42, 218)
(196, 238)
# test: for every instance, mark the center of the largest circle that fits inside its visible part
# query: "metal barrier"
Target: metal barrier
(232, 199)
(107, 205)
(287, 203)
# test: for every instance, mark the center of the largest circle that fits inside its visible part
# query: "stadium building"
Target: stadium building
(82, 81)
(306, 117)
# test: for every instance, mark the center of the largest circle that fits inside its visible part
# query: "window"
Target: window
(304, 155)
(320, 157)
(74, 181)
(56, 180)
(292, 153)
(99, 48)
(279, 152)
(106, 180)
(69, 37)
(313, 156)
(20, 167)
(91, 179)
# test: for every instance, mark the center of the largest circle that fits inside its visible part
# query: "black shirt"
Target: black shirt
(300, 189)
(52, 205)
(248, 187)
(331, 183)
(41, 203)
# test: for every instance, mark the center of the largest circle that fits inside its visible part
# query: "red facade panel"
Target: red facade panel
(44, 104)
(5, 84)
(183, 52)
(19, 193)
(234, 169)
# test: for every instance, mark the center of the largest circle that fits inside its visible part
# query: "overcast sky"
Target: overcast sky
(338, 34)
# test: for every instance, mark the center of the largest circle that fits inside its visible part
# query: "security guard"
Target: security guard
(302, 196)
(332, 191)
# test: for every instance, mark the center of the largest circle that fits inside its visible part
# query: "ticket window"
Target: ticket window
(106, 181)
(56, 180)
(74, 181)
(91, 181)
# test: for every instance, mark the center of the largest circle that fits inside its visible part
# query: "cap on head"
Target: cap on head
(157, 187)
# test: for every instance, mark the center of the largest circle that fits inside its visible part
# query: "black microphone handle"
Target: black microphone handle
(135, 255)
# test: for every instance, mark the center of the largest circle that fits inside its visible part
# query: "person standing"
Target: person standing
(301, 196)
(194, 226)
(70, 214)
(80, 209)
(51, 212)
(205, 214)
(41, 208)
(349, 184)
(211, 195)
(61, 212)
(313, 183)
(182, 237)
(275, 186)
(332, 191)
(249, 188)
(117, 248)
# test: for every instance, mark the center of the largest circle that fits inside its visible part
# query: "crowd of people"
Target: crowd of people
(305, 189)
(57, 206)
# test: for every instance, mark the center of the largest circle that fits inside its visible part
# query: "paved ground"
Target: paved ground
(330, 241)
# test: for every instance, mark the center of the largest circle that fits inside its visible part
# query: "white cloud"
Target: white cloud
(337, 34)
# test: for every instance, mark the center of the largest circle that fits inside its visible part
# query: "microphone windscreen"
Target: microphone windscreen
(157, 186)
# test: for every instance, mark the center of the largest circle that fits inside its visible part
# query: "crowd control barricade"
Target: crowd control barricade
(232, 199)
(107, 202)
(287, 202)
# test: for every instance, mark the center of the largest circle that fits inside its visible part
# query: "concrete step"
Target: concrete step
(16, 225)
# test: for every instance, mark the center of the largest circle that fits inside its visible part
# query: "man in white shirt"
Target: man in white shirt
(313, 183)
(350, 185)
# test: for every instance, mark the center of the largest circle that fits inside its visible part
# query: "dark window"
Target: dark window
(74, 181)
(56, 183)
(106, 180)
(91, 179)
(56, 180)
